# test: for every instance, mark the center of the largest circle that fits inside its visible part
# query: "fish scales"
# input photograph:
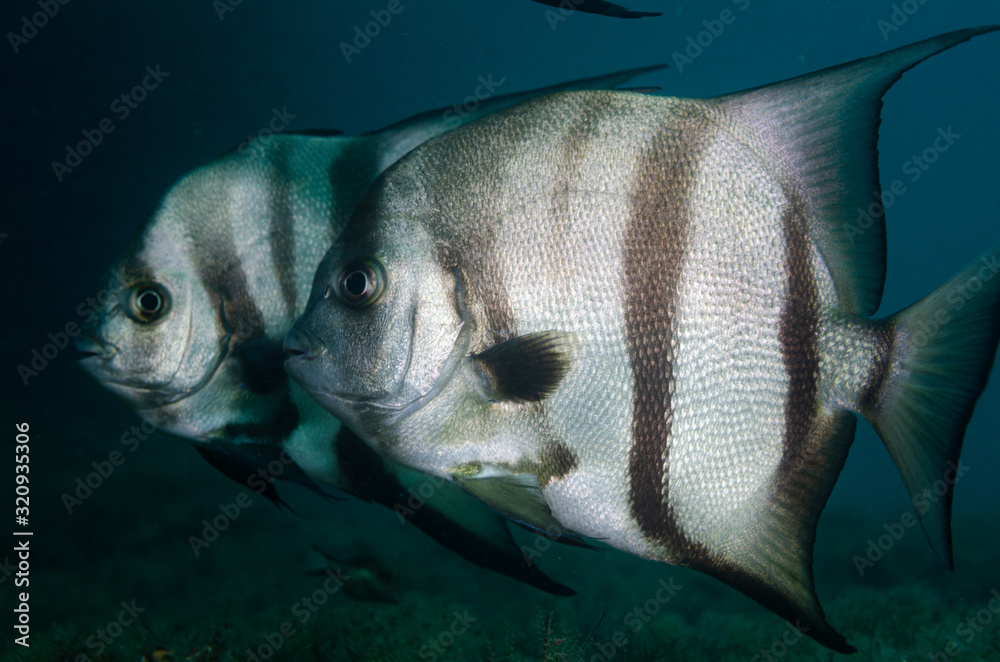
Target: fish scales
(640, 320)
(615, 285)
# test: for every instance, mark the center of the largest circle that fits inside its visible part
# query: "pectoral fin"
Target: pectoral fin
(527, 368)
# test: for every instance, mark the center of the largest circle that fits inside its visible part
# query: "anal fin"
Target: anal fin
(239, 472)
(772, 561)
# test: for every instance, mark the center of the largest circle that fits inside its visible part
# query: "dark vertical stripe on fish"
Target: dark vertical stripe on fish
(655, 244)
(798, 334)
(276, 427)
(472, 251)
(223, 275)
(281, 226)
(573, 146)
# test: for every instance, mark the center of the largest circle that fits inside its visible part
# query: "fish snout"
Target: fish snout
(91, 348)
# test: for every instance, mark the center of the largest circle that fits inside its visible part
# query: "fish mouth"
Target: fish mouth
(95, 364)
(301, 344)
(91, 346)
(95, 355)
(303, 348)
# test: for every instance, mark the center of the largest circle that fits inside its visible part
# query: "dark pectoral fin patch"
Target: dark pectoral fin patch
(527, 368)
(557, 461)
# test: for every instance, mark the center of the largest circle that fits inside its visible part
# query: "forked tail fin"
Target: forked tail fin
(942, 349)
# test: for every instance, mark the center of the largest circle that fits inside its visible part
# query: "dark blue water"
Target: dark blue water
(220, 79)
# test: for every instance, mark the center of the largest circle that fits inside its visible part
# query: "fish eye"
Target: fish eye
(147, 303)
(361, 283)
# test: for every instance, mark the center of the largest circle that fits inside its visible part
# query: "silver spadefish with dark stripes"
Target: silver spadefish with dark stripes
(685, 272)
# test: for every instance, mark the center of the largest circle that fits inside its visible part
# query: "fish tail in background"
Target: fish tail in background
(940, 351)
(600, 7)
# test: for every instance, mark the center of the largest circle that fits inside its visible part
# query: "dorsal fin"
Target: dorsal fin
(600, 7)
(820, 133)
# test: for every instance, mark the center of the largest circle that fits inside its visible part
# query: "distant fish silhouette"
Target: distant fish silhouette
(367, 577)
(598, 7)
